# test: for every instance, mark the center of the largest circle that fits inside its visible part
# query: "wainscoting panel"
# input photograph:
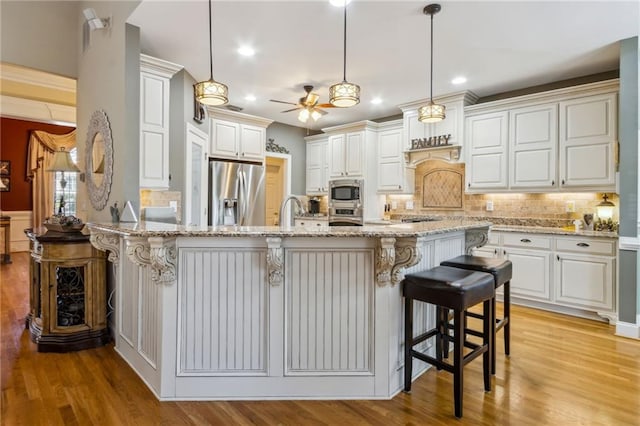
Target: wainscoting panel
(149, 317)
(222, 312)
(448, 248)
(129, 294)
(329, 311)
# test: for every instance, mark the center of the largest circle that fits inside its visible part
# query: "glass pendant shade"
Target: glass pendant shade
(344, 94)
(604, 210)
(211, 92)
(431, 113)
(303, 115)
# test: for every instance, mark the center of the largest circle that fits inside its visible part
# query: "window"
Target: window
(67, 195)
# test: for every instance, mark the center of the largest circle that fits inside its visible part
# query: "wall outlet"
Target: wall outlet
(489, 206)
(174, 206)
(570, 206)
(409, 205)
(394, 205)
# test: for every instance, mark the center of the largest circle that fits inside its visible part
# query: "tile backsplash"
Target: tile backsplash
(151, 198)
(514, 205)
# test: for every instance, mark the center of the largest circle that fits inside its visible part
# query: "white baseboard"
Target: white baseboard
(626, 329)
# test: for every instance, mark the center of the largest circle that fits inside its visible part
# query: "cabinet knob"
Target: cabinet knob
(558, 257)
(495, 251)
(469, 185)
(563, 181)
(399, 186)
(553, 182)
(236, 154)
(243, 154)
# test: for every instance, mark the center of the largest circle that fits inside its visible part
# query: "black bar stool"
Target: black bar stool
(449, 289)
(502, 271)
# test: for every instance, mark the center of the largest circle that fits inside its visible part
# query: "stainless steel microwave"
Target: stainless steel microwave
(346, 191)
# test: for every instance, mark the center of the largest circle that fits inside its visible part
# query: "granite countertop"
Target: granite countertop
(553, 231)
(399, 230)
(525, 225)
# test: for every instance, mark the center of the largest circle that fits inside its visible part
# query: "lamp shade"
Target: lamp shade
(344, 95)
(62, 162)
(211, 92)
(431, 113)
(604, 210)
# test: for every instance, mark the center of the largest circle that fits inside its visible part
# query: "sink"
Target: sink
(421, 219)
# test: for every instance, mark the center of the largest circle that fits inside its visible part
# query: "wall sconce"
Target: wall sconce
(94, 22)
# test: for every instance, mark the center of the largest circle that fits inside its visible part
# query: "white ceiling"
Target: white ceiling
(498, 46)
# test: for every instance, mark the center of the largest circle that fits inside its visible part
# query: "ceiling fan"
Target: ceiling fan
(308, 105)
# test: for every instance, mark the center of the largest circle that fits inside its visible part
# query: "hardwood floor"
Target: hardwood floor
(562, 371)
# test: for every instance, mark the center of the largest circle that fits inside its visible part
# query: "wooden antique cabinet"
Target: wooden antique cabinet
(68, 293)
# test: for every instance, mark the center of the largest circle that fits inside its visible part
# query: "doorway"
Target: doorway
(277, 186)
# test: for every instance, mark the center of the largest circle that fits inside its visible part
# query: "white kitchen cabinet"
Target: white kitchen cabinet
(155, 78)
(310, 222)
(588, 134)
(393, 175)
(585, 273)
(565, 273)
(533, 142)
(486, 145)
(237, 136)
(563, 139)
(317, 165)
(347, 155)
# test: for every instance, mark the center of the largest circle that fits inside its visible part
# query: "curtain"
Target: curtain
(42, 146)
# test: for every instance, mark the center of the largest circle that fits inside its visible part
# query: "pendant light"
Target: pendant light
(211, 92)
(344, 94)
(431, 113)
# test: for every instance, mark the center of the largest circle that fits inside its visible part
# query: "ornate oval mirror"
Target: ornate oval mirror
(99, 159)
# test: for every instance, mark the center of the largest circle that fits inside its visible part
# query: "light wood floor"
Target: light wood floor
(562, 371)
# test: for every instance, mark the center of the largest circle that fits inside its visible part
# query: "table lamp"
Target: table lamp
(62, 162)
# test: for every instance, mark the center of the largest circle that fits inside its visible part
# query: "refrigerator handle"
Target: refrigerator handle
(242, 198)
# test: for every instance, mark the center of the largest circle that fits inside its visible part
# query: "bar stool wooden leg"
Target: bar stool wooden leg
(507, 316)
(492, 347)
(458, 355)
(408, 343)
(489, 332)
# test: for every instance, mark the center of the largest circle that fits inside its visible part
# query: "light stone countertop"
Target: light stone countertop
(553, 231)
(398, 230)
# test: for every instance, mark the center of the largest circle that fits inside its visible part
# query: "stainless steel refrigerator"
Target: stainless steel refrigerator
(236, 193)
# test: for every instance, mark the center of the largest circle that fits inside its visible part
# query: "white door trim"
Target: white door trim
(286, 190)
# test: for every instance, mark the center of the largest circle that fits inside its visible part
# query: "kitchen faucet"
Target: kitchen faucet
(282, 206)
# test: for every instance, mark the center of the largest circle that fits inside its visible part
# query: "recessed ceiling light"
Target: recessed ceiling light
(250, 98)
(376, 101)
(246, 51)
(339, 3)
(459, 80)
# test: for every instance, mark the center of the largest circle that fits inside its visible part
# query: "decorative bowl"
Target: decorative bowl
(56, 227)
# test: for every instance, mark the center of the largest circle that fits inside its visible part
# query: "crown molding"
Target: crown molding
(158, 66)
(467, 97)
(352, 127)
(45, 112)
(33, 77)
(238, 117)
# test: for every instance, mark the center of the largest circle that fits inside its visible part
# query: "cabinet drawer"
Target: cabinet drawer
(587, 246)
(312, 222)
(526, 241)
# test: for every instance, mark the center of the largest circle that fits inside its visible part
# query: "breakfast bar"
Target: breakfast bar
(230, 312)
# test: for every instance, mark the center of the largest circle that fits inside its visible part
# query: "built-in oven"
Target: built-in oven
(345, 202)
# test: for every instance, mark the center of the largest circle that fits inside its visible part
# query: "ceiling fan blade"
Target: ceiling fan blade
(292, 109)
(325, 106)
(282, 102)
(323, 112)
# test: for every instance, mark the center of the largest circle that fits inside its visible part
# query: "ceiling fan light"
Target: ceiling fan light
(303, 115)
(211, 92)
(431, 113)
(315, 115)
(344, 95)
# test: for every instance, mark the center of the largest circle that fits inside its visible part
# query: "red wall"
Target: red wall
(14, 146)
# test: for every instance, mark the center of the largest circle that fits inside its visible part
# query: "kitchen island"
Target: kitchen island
(223, 313)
